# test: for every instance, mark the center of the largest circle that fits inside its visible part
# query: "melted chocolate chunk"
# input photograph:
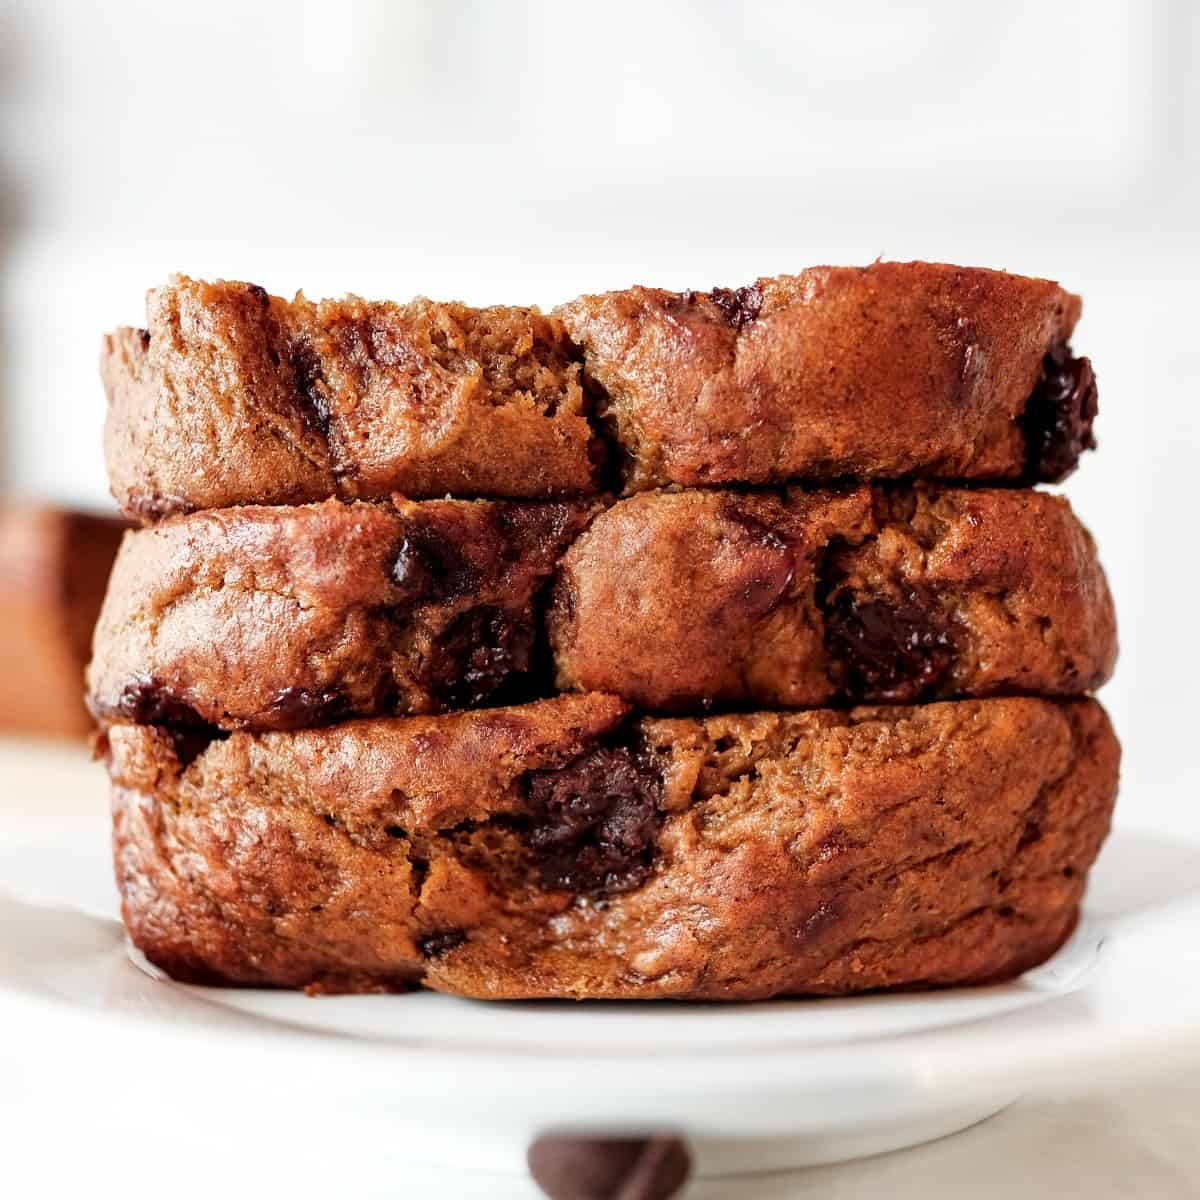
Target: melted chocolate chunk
(596, 822)
(300, 708)
(309, 380)
(740, 305)
(145, 701)
(526, 528)
(574, 1167)
(890, 651)
(429, 567)
(144, 338)
(1059, 416)
(259, 293)
(434, 945)
(764, 534)
(479, 652)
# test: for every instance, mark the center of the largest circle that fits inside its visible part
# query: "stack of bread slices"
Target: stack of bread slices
(702, 645)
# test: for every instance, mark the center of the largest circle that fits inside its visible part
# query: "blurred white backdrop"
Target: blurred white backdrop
(530, 150)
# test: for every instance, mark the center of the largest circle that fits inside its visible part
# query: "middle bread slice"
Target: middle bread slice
(271, 618)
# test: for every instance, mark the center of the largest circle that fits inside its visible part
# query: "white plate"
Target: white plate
(756, 1086)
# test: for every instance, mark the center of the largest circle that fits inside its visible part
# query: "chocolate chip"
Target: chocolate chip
(1059, 416)
(477, 655)
(523, 529)
(300, 708)
(434, 945)
(144, 338)
(259, 293)
(428, 566)
(309, 381)
(740, 305)
(572, 1167)
(596, 822)
(145, 701)
(890, 650)
(191, 743)
(765, 534)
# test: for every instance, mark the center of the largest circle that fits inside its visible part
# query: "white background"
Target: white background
(526, 152)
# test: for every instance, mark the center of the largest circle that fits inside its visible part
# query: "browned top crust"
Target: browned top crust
(233, 396)
(230, 395)
(276, 618)
(678, 601)
(54, 565)
(551, 851)
(884, 371)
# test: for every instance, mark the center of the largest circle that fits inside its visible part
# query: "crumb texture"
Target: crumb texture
(823, 852)
(884, 371)
(277, 618)
(232, 396)
(679, 600)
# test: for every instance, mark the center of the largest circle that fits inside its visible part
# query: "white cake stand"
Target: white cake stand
(431, 1079)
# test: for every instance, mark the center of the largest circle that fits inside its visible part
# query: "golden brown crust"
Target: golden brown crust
(807, 853)
(884, 371)
(54, 565)
(231, 396)
(676, 601)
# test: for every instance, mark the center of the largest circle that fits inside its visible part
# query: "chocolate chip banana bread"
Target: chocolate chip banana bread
(678, 601)
(277, 618)
(865, 372)
(231, 396)
(272, 618)
(567, 849)
(54, 565)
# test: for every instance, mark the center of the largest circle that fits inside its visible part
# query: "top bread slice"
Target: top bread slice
(895, 370)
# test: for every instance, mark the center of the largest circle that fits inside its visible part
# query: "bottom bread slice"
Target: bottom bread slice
(569, 849)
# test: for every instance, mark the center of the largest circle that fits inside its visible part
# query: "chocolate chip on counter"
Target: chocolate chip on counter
(574, 1167)
(596, 822)
(1059, 416)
